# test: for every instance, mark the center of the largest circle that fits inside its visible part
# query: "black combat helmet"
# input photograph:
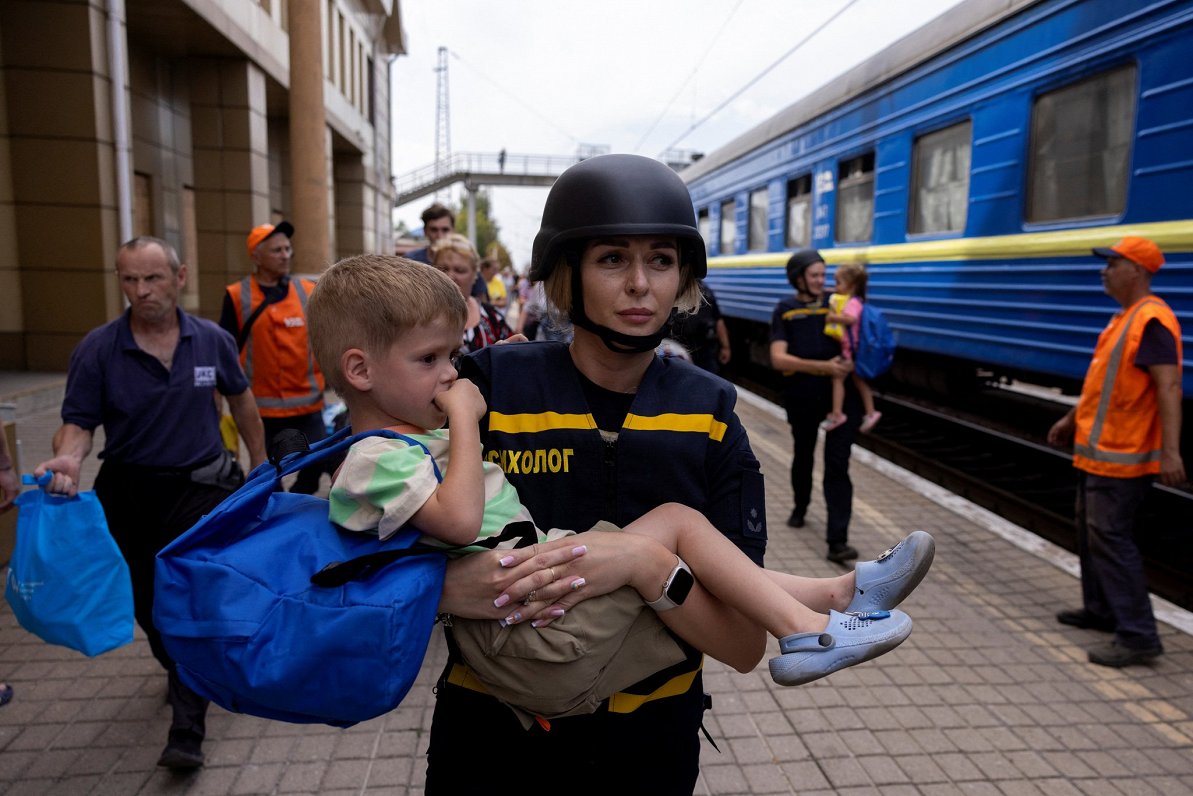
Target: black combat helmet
(617, 195)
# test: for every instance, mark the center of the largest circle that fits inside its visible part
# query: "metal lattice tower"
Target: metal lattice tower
(443, 131)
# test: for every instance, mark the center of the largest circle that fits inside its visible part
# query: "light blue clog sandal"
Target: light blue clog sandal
(849, 639)
(885, 582)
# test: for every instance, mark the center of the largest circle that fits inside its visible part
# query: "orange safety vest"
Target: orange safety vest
(1118, 419)
(277, 358)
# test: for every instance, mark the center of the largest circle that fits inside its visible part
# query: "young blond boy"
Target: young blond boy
(384, 330)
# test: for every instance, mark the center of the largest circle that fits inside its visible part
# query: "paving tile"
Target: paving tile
(989, 696)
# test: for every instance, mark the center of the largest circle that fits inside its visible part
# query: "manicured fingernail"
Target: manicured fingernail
(556, 612)
(500, 601)
(513, 618)
(505, 562)
(538, 622)
(577, 583)
(579, 550)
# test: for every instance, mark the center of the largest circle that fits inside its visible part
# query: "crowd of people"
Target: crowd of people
(660, 480)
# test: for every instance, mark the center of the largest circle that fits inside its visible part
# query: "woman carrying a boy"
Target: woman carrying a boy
(602, 429)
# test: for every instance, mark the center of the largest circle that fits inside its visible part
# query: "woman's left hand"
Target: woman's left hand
(604, 562)
(474, 585)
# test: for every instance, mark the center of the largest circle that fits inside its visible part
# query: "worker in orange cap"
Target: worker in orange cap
(1125, 431)
(266, 313)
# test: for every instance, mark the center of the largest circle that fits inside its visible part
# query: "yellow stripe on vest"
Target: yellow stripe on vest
(670, 421)
(809, 311)
(534, 422)
(621, 702)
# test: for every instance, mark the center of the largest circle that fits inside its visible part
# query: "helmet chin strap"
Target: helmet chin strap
(615, 341)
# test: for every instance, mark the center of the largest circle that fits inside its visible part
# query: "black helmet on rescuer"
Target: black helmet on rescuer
(612, 195)
(617, 195)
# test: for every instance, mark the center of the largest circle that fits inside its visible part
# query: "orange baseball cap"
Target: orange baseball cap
(1140, 251)
(263, 231)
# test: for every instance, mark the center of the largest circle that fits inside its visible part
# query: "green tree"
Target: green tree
(487, 228)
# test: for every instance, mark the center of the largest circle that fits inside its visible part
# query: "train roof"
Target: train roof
(955, 25)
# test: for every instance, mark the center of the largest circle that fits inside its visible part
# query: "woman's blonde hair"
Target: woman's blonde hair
(369, 301)
(455, 242)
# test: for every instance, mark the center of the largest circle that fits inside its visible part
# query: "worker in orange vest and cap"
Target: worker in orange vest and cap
(1125, 431)
(266, 313)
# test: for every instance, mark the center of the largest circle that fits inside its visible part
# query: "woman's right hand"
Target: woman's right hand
(838, 367)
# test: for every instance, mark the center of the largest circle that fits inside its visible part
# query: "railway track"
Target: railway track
(988, 446)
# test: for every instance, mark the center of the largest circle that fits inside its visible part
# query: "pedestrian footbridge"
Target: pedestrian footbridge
(475, 169)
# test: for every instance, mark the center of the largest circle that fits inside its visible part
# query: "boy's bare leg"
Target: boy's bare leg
(820, 594)
(726, 571)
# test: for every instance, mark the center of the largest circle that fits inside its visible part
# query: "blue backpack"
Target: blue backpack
(875, 349)
(269, 609)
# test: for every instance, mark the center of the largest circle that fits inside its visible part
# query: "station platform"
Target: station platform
(989, 695)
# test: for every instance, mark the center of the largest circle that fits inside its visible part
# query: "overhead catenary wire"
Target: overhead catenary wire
(516, 98)
(724, 103)
(691, 74)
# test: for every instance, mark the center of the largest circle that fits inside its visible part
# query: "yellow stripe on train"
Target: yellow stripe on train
(1171, 236)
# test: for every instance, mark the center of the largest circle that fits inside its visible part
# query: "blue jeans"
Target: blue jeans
(1113, 585)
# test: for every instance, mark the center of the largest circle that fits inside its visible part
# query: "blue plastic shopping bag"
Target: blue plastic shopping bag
(67, 582)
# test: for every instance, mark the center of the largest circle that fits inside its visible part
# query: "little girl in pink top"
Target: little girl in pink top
(845, 310)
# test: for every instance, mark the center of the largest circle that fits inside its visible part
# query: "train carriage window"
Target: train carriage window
(855, 199)
(705, 227)
(728, 228)
(1081, 148)
(756, 234)
(799, 212)
(940, 180)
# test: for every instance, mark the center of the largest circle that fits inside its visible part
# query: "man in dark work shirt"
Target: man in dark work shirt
(1125, 431)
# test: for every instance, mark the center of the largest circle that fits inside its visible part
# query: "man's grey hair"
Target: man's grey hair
(141, 241)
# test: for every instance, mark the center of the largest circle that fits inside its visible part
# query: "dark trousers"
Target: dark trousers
(311, 425)
(653, 750)
(804, 414)
(1113, 585)
(146, 509)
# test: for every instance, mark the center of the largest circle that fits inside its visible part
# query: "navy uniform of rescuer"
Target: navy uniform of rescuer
(809, 360)
(1125, 430)
(266, 312)
(603, 429)
(149, 378)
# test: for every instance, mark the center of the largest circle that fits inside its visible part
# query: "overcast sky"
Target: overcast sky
(544, 78)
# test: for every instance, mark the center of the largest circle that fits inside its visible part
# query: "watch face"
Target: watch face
(681, 583)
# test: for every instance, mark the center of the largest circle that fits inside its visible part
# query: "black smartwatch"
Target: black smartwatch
(675, 587)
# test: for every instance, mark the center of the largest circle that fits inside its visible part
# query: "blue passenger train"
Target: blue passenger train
(972, 166)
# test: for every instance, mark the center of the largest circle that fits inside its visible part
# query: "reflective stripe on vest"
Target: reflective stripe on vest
(621, 702)
(1117, 417)
(534, 422)
(1091, 451)
(315, 395)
